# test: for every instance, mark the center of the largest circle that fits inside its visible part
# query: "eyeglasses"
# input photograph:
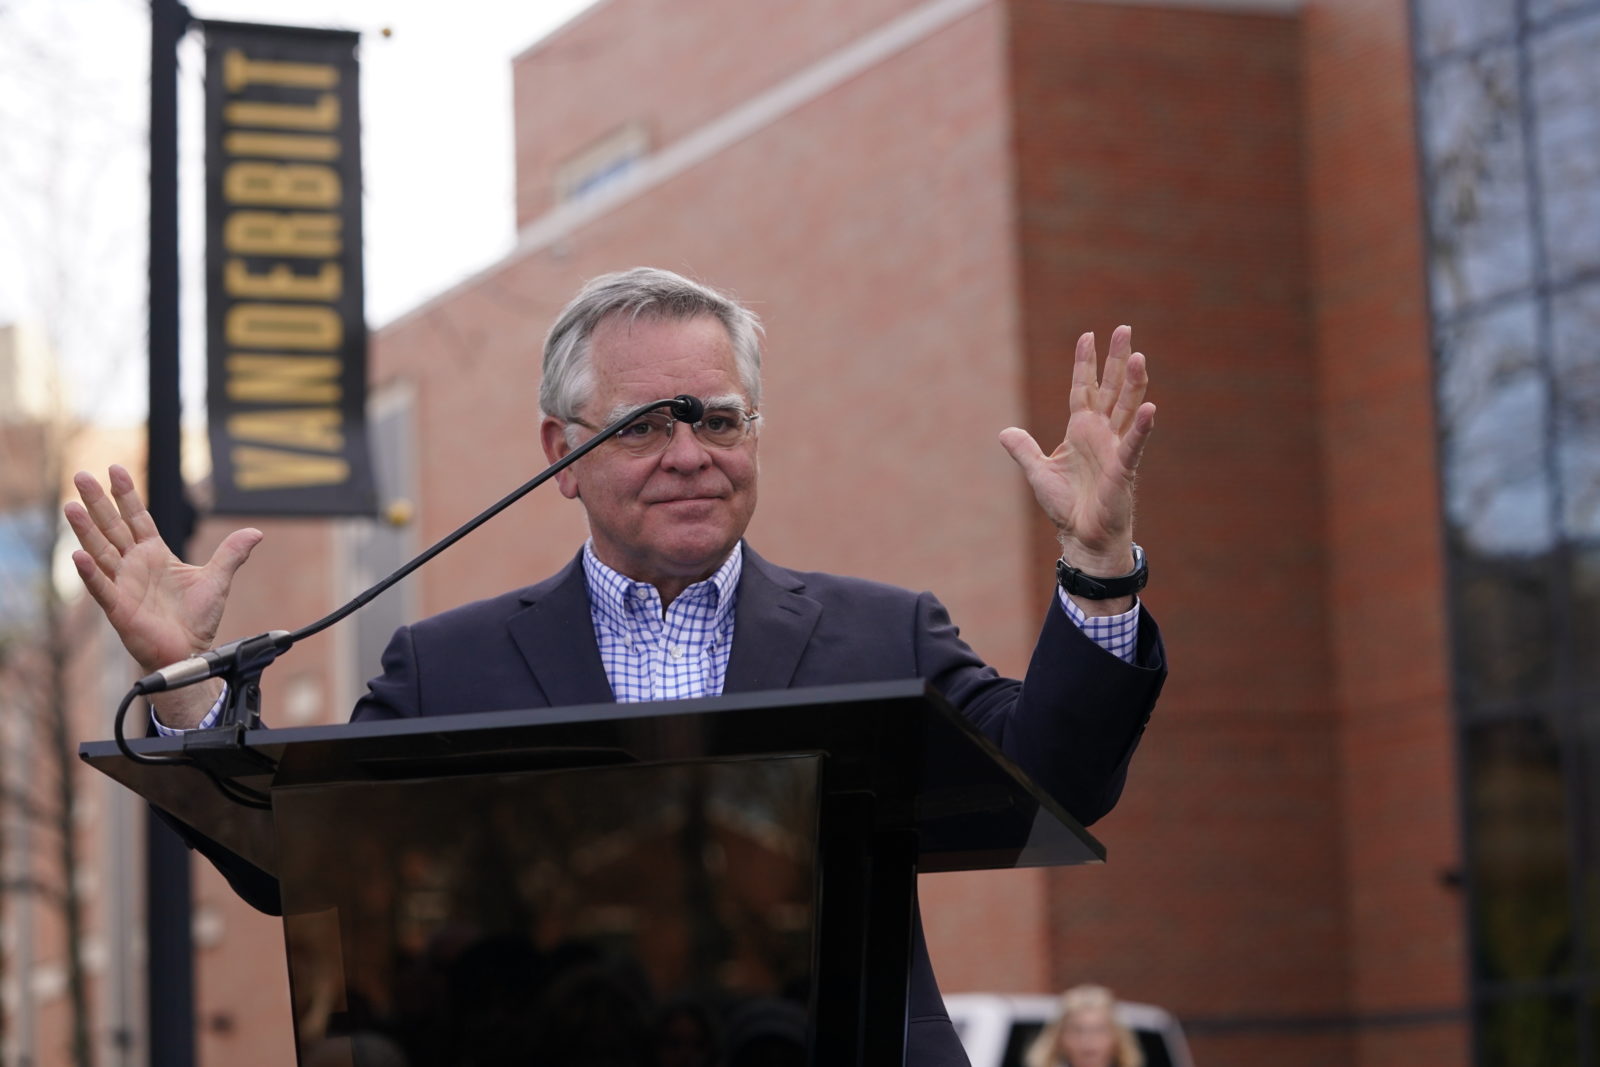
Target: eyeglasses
(649, 434)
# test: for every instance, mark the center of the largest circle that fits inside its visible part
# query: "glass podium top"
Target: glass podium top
(928, 770)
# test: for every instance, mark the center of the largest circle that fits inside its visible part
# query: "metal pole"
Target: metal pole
(168, 896)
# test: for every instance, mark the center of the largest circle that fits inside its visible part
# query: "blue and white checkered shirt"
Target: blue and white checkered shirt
(651, 655)
(683, 653)
(1117, 634)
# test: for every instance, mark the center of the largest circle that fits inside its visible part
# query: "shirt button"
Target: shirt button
(675, 651)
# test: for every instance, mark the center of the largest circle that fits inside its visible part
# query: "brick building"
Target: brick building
(927, 201)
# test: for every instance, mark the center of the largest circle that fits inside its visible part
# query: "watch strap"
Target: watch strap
(1090, 587)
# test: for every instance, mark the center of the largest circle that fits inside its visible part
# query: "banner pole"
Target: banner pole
(169, 987)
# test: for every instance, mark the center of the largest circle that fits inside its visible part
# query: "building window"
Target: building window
(603, 163)
(1509, 107)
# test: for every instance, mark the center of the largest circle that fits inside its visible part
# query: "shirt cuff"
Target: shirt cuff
(205, 724)
(1117, 634)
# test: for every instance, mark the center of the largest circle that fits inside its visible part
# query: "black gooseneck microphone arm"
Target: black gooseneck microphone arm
(241, 662)
(684, 408)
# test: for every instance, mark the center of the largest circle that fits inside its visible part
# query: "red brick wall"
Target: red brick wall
(1161, 184)
(672, 66)
(1385, 560)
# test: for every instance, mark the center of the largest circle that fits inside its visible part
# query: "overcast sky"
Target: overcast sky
(74, 100)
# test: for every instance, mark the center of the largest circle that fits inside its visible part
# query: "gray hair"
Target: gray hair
(568, 380)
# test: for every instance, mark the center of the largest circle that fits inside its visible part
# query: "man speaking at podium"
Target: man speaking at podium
(665, 600)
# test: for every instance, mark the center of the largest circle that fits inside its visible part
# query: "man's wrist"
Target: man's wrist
(186, 708)
(1106, 561)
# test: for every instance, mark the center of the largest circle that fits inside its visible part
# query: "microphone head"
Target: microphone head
(686, 408)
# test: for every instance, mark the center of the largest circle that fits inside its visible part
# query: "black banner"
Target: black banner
(286, 336)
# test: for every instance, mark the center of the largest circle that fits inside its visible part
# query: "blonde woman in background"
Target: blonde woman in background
(1085, 1034)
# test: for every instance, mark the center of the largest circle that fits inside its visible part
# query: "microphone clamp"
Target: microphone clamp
(686, 408)
(248, 655)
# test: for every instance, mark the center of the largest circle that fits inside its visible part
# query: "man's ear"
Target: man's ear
(553, 436)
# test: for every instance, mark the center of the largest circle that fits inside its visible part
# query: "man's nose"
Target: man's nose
(685, 451)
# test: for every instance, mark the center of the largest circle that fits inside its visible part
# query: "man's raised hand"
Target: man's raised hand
(1086, 485)
(163, 609)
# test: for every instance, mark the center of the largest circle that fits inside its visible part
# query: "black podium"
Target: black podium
(500, 887)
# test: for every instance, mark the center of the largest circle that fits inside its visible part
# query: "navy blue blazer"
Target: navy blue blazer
(1072, 722)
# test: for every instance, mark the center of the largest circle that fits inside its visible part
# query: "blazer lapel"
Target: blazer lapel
(555, 635)
(773, 622)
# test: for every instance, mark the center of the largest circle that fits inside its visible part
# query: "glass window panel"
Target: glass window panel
(1575, 360)
(21, 568)
(1594, 1026)
(1477, 201)
(1583, 580)
(1529, 1032)
(1566, 82)
(1589, 858)
(1519, 852)
(1446, 25)
(1538, 10)
(1505, 638)
(1494, 408)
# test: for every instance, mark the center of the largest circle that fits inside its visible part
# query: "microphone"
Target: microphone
(247, 652)
(686, 408)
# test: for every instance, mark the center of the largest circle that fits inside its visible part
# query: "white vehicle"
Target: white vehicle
(997, 1028)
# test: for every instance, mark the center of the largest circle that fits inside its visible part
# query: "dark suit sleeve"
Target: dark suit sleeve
(1072, 722)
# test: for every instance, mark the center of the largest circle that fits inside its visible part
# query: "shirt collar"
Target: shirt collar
(612, 593)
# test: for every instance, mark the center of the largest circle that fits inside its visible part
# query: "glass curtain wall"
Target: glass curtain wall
(1508, 97)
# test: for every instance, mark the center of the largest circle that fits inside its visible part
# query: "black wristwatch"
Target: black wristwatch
(1078, 583)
